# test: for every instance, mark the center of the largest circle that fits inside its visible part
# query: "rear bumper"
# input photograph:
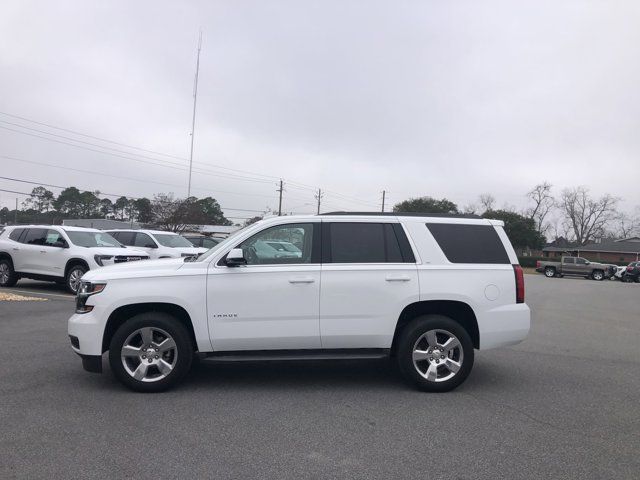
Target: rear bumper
(503, 326)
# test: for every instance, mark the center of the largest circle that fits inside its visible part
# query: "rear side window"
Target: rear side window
(365, 243)
(570, 260)
(36, 236)
(469, 243)
(126, 238)
(15, 234)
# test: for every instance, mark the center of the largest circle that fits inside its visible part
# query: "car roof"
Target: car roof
(66, 228)
(391, 216)
(163, 232)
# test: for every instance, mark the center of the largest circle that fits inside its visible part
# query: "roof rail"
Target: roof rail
(406, 214)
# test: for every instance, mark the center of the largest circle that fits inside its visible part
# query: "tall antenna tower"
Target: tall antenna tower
(193, 119)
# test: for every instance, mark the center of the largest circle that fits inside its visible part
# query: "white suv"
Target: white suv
(425, 291)
(157, 244)
(59, 254)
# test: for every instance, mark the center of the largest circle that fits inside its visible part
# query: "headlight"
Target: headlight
(102, 258)
(84, 292)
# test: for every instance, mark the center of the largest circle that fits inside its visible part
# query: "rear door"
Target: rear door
(368, 274)
(569, 265)
(32, 251)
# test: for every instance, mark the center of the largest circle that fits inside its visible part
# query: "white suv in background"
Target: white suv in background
(59, 254)
(157, 244)
(423, 290)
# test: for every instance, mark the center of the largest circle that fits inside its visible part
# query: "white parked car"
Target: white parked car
(424, 290)
(157, 244)
(58, 253)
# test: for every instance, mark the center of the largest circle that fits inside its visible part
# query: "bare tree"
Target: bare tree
(487, 201)
(543, 203)
(588, 217)
(626, 225)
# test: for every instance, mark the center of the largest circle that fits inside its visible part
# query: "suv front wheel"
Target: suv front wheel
(151, 352)
(435, 353)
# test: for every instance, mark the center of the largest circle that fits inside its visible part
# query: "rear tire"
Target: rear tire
(8, 276)
(151, 352)
(435, 353)
(549, 272)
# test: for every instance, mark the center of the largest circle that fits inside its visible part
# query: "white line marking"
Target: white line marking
(68, 297)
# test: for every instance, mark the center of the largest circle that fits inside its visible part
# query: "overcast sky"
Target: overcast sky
(447, 99)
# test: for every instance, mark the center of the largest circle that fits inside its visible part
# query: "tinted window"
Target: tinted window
(208, 242)
(36, 236)
(54, 238)
(15, 234)
(469, 243)
(363, 243)
(568, 260)
(197, 241)
(581, 261)
(92, 239)
(172, 240)
(126, 238)
(144, 240)
(298, 237)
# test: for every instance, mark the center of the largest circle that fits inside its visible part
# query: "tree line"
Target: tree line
(164, 210)
(574, 214)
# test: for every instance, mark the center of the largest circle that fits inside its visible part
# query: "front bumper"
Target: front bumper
(87, 328)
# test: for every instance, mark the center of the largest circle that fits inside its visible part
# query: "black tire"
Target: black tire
(69, 279)
(162, 322)
(8, 276)
(549, 272)
(597, 275)
(412, 336)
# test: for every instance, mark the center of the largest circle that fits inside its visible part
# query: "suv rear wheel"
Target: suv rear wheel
(151, 352)
(597, 275)
(435, 353)
(8, 276)
(549, 272)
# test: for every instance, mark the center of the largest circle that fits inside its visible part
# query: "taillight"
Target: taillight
(519, 273)
(537, 263)
(629, 268)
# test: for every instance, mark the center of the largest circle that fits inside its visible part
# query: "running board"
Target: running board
(283, 355)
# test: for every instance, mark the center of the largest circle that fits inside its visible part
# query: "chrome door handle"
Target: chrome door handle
(398, 278)
(301, 280)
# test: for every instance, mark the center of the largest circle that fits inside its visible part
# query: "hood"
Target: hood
(118, 251)
(190, 250)
(140, 268)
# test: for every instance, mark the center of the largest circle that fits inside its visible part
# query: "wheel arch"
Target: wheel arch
(458, 311)
(72, 262)
(6, 256)
(125, 312)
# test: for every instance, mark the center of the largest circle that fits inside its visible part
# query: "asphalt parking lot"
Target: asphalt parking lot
(563, 404)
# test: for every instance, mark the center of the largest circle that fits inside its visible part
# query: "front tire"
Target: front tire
(151, 352)
(597, 275)
(8, 276)
(435, 353)
(549, 272)
(72, 280)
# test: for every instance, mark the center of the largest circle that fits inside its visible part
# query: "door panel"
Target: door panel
(360, 304)
(264, 307)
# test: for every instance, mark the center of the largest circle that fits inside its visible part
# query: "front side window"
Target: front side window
(92, 239)
(581, 261)
(209, 243)
(172, 241)
(283, 244)
(363, 243)
(54, 238)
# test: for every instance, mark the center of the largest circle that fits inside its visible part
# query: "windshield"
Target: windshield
(222, 244)
(92, 239)
(172, 241)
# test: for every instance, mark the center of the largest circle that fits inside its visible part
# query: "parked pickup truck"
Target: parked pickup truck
(575, 266)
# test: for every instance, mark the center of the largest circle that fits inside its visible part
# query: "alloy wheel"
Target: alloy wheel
(437, 355)
(5, 273)
(149, 354)
(74, 278)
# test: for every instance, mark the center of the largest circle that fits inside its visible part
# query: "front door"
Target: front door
(271, 303)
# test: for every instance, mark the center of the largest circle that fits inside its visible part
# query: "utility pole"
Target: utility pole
(384, 194)
(319, 197)
(15, 221)
(193, 118)
(280, 201)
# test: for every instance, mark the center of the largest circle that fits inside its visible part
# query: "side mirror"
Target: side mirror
(61, 244)
(235, 258)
